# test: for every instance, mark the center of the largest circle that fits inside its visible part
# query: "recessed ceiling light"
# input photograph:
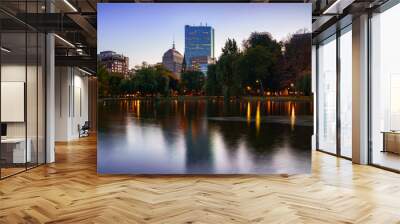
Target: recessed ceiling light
(70, 5)
(337, 7)
(64, 40)
(5, 50)
(86, 72)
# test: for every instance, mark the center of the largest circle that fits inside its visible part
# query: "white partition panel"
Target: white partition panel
(12, 101)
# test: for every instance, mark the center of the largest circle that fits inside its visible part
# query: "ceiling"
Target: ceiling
(75, 21)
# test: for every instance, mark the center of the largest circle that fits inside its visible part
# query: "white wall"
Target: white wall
(71, 102)
(80, 109)
(62, 82)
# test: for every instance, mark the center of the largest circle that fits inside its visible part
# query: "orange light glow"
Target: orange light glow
(258, 117)
(293, 117)
(248, 113)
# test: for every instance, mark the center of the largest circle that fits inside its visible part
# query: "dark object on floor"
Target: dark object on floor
(84, 130)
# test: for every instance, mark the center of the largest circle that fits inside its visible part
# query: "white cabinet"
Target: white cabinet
(19, 155)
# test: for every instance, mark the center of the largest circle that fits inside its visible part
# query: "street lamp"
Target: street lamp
(293, 89)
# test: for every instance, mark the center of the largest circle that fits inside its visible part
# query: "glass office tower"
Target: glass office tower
(199, 41)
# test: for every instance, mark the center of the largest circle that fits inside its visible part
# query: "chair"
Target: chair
(84, 130)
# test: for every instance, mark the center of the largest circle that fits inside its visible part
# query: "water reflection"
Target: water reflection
(204, 136)
(292, 116)
(248, 112)
(258, 117)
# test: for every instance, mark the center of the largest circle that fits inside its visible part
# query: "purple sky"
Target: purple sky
(144, 31)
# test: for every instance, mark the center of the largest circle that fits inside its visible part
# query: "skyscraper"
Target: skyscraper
(199, 41)
(200, 63)
(172, 60)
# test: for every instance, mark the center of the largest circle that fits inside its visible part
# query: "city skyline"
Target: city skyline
(154, 27)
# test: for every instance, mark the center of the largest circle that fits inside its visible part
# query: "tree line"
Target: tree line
(150, 81)
(262, 66)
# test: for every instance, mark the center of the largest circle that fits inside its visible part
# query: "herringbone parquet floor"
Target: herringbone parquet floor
(70, 191)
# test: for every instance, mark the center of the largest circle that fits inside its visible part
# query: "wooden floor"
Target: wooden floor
(387, 159)
(5, 172)
(70, 191)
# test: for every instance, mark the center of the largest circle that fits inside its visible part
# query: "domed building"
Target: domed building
(172, 60)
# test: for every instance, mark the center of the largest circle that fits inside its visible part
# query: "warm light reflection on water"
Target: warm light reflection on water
(258, 117)
(184, 108)
(293, 116)
(204, 136)
(248, 113)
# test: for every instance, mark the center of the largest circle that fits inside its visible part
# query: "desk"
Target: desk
(391, 141)
(18, 150)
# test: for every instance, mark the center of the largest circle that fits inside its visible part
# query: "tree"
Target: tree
(103, 80)
(145, 81)
(114, 84)
(225, 69)
(297, 58)
(153, 80)
(263, 39)
(257, 65)
(303, 84)
(192, 82)
(213, 87)
(162, 85)
(124, 86)
(163, 76)
(230, 48)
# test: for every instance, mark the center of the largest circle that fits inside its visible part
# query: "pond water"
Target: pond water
(204, 136)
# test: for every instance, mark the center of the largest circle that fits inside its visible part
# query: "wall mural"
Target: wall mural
(204, 88)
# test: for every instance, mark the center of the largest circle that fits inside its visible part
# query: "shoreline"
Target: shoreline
(250, 98)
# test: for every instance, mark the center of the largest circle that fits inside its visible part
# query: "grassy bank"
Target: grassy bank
(275, 98)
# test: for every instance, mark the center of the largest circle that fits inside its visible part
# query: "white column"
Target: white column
(62, 103)
(360, 89)
(314, 94)
(50, 99)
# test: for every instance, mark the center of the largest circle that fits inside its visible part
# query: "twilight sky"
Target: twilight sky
(144, 31)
